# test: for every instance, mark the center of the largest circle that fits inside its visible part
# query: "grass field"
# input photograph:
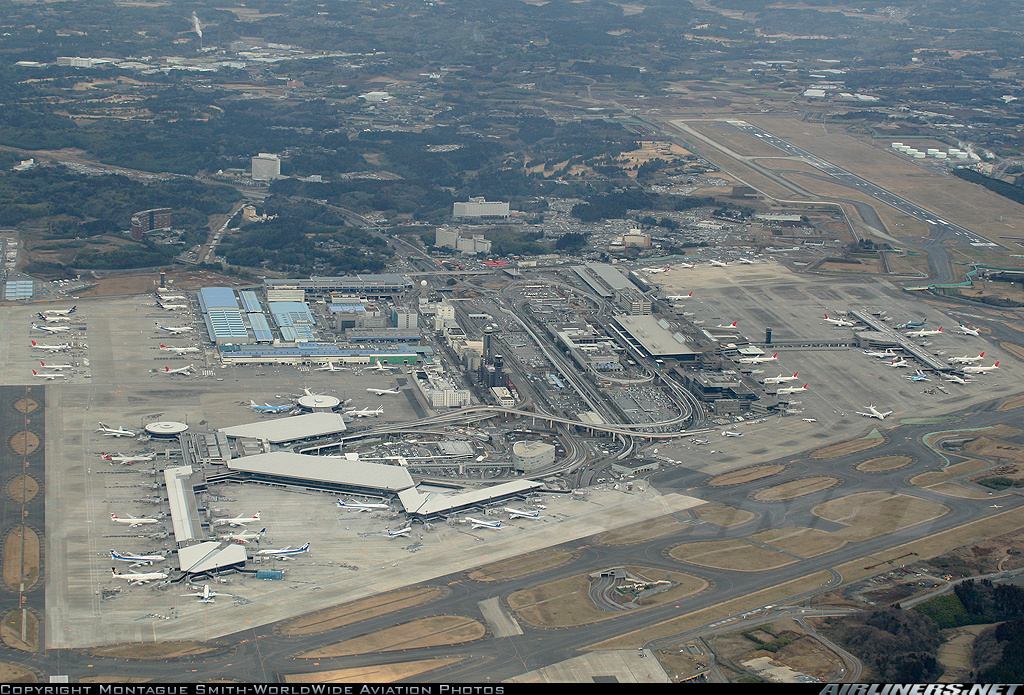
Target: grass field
(372, 607)
(427, 632)
(796, 488)
(378, 673)
(885, 463)
(738, 555)
(521, 565)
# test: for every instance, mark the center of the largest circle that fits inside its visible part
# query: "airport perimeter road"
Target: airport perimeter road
(263, 654)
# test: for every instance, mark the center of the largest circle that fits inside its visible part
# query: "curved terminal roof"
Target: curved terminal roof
(326, 470)
(289, 429)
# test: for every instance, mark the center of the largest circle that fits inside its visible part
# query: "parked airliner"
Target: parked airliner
(136, 559)
(285, 552)
(875, 412)
(115, 432)
(138, 577)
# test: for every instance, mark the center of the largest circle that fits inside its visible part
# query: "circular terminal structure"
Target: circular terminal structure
(318, 402)
(166, 429)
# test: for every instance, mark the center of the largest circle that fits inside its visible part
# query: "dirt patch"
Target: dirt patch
(796, 488)
(441, 630)
(22, 488)
(12, 673)
(380, 673)
(724, 516)
(885, 463)
(643, 531)
(147, 282)
(745, 475)
(20, 631)
(23, 443)
(739, 555)
(349, 613)
(851, 447)
(519, 566)
(567, 602)
(155, 650)
(21, 558)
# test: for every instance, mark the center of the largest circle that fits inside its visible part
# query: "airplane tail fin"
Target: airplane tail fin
(981, 355)
(304, 548)
(996, 364)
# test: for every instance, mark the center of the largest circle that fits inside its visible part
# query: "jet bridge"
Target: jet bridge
(908, 345)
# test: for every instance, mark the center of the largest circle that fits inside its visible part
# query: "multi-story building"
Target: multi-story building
(150, 220)
(266, 167)
(480, 208)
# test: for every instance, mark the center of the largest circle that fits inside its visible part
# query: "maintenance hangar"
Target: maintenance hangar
(224, 320)
(340, 475)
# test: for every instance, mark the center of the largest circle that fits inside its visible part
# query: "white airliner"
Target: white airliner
(919, 375)
(178, 350)
(55, 366)
(759, 359)
(126, 460)
(698, 442)
(779, 379)
(115, 432)
(174, 329)
(965, 359)
(133, 521)
(968, 331)
(400, 532)
(899, 362)
(51, 329)
(53, 319)
(238, 520)
(267, 408)
(657, 270)
(745, 261)
(880, 353)
(970, 369)
(719, 264)
(180, 370)
(366, 412)
(380, 367)
(206, 595)
(924, 332)
(481, 523)
(875, 412)
(244, 536)
(956, 379)
(171, 307)
(51, 348)
(331, 367)
(731, 325)
(136, 560)
(60, 312)
(514, 513)
(138, 577)
(791, 389)
(381, 392)
(165, 297)
(49, 375)
(838, 322)
(284, 552)
(728, 433)
(678, 297)
(362, 506)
